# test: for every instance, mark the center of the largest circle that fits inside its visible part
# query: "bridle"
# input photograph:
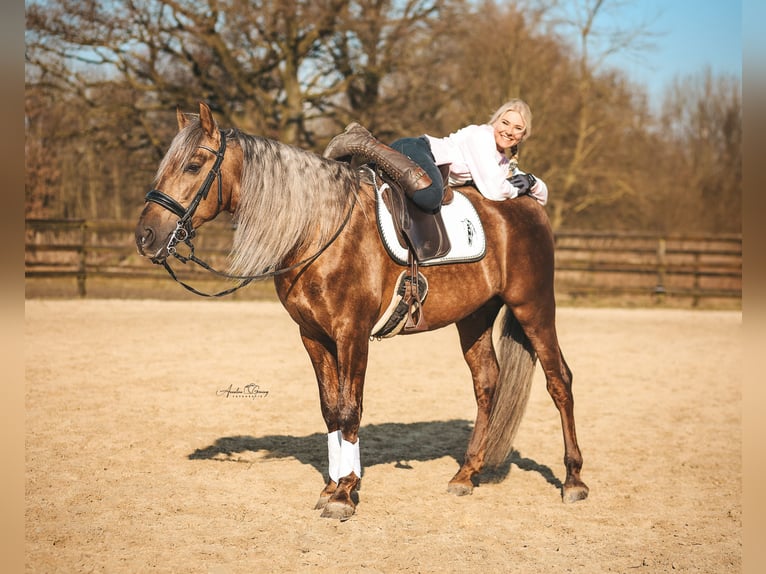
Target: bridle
(184, 232)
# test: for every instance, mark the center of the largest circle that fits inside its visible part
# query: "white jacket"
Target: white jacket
(472, 154)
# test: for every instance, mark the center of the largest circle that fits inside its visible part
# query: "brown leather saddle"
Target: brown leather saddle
(424, 235)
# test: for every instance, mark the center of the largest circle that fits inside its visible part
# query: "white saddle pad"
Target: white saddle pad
(464, 228)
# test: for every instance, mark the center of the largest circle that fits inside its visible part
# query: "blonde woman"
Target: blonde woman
(483, 155)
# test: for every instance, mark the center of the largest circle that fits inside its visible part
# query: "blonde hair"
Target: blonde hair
(519, 106)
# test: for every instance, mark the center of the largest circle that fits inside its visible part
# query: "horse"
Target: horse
(309, 223)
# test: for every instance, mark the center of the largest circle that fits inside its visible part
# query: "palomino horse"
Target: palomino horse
(309, 222)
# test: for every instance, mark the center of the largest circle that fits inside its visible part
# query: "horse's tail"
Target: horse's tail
(517, 362)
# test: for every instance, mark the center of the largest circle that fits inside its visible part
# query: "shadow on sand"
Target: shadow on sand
(386, 443)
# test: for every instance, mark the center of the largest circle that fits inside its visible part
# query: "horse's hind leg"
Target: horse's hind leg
(561, 392)
(476, 342)
(540, 328)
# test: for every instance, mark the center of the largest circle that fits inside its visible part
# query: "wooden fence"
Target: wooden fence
(588, 265)
(660, 266)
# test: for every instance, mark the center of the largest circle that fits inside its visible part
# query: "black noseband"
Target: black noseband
(156, 196)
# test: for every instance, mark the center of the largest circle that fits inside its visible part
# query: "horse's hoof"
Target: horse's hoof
(459, 488)
(338, 510)
(575, 493)
(326, 494)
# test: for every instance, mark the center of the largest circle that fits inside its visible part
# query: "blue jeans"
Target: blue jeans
(418, 150)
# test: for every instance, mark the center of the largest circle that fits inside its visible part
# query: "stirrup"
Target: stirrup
(412, 297)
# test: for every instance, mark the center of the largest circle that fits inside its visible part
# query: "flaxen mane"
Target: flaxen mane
(289, 198)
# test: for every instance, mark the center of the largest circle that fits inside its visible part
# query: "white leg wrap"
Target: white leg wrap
(350, 459)
(333, 454)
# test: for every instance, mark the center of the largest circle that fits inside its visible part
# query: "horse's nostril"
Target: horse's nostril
(144, 238)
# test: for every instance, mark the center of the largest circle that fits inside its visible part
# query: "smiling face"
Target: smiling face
(509, 130)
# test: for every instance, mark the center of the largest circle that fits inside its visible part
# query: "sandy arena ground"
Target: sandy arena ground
(138, 462)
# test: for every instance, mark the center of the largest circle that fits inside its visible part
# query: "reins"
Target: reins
(247, 279)
(184, 232)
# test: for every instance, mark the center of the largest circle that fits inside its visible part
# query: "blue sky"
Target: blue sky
(690, 35)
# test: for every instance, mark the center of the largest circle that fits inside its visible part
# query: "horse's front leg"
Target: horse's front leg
(340, 369)
(326, 370)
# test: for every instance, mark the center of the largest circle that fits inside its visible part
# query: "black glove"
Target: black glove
(524, 182)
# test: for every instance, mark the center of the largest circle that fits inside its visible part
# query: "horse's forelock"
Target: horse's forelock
(181, 149)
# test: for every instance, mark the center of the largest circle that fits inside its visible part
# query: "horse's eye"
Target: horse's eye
(192, 168)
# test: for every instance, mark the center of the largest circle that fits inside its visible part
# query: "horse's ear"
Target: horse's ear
(207, 121)
(183, 121)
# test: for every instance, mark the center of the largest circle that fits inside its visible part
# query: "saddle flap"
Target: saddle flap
(423, 233)
(398, 211)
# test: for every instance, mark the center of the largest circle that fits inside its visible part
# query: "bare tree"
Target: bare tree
(387, 53)
(602, 107)
(256, 62)
(278, 68)
(103, 81)
(702, 115)
(267, 66)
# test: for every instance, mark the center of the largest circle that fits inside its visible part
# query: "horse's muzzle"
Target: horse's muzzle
(148, 246)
